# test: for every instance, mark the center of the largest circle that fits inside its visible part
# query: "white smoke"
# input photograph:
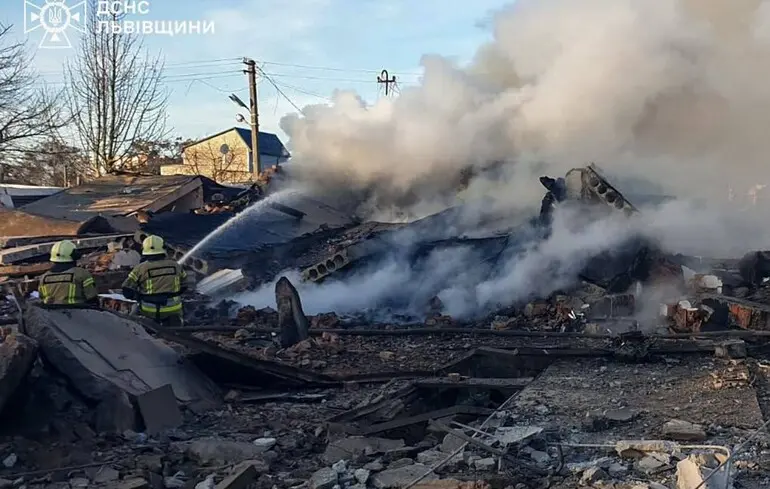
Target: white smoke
(673, 92)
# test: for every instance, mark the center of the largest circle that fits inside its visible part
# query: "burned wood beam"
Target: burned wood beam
(287, 210)
(474, 382)
(383, 376)
(545, 352)
(20, 253)
(24, 270)
(291, 318)
(468, 439)
(280, 372)
(243, 475)
(421, 331)
(373, 407)
(412, 420)
(283, 396)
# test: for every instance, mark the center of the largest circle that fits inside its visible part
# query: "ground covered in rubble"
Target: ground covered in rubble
(556, 409)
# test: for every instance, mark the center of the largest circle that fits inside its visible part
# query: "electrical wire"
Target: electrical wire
(186, 63)
(216, 74)
(304, 92)
(166, 78)
(203, 64)
(278, 89)
(343, 70)
(211, 63)
(196, 75)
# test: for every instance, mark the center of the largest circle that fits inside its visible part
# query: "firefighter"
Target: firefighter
(157, 283)
(66, 284)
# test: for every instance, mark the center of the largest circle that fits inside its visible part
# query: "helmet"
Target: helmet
(63, 252)
(153, 245)
(217, 198)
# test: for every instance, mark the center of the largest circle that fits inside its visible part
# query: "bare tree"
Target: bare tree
(149, 156)
(28, 113)
(115, 93)
(51, 162)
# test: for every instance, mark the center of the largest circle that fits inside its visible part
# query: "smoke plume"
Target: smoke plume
(673, 93)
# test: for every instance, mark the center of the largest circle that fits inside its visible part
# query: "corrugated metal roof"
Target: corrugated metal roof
(111, 195)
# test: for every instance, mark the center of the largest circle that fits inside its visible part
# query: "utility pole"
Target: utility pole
(251, 71)
(384, 78)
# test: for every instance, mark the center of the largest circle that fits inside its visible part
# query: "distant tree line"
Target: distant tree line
(110, 115)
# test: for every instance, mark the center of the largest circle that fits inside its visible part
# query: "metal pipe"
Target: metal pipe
(462, 447)
(736, 452)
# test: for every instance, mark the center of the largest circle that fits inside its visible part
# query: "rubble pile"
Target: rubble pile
(600, 384)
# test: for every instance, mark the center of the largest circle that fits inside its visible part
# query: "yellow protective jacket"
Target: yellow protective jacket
(158, 285)
(73, 286)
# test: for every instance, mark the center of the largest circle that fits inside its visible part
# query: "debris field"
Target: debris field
(581, 388)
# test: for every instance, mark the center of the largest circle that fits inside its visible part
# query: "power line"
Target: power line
(328, 68)
(202, 65)
(212, 63)
(204, 61)
(278, 89)
(189, 76)
(166, 79)
(218, 89)
(188, 64)
(304, 92)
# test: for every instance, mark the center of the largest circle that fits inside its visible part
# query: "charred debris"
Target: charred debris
(586, 387)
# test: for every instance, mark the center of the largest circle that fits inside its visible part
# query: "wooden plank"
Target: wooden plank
(360, 412)
(421, 418)
(173, 196)
(20, 253)
(14, 241)
(520, 351)
(475, 382)
(243, 475)
(25, 270)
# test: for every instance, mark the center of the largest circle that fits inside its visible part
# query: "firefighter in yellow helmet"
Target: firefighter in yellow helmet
(157, 283)
(66, 284)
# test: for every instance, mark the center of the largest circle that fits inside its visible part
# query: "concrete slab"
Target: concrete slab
(159, 410)
(17, 354)
(97, 350)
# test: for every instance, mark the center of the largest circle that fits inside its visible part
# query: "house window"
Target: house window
(251, 162)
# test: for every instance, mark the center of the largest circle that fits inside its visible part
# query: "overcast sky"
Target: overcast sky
(309, 48)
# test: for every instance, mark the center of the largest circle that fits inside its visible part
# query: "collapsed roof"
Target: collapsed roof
(15, 223)
(118, 195)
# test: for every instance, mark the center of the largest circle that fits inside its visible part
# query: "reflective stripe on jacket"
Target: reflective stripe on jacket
(158, 278)
(74, 286)
(173, 306)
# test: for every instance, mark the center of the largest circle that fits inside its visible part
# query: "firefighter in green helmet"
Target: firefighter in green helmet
(157, 284)
(66, 284)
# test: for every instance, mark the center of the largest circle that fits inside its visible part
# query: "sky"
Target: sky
(307, 48)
